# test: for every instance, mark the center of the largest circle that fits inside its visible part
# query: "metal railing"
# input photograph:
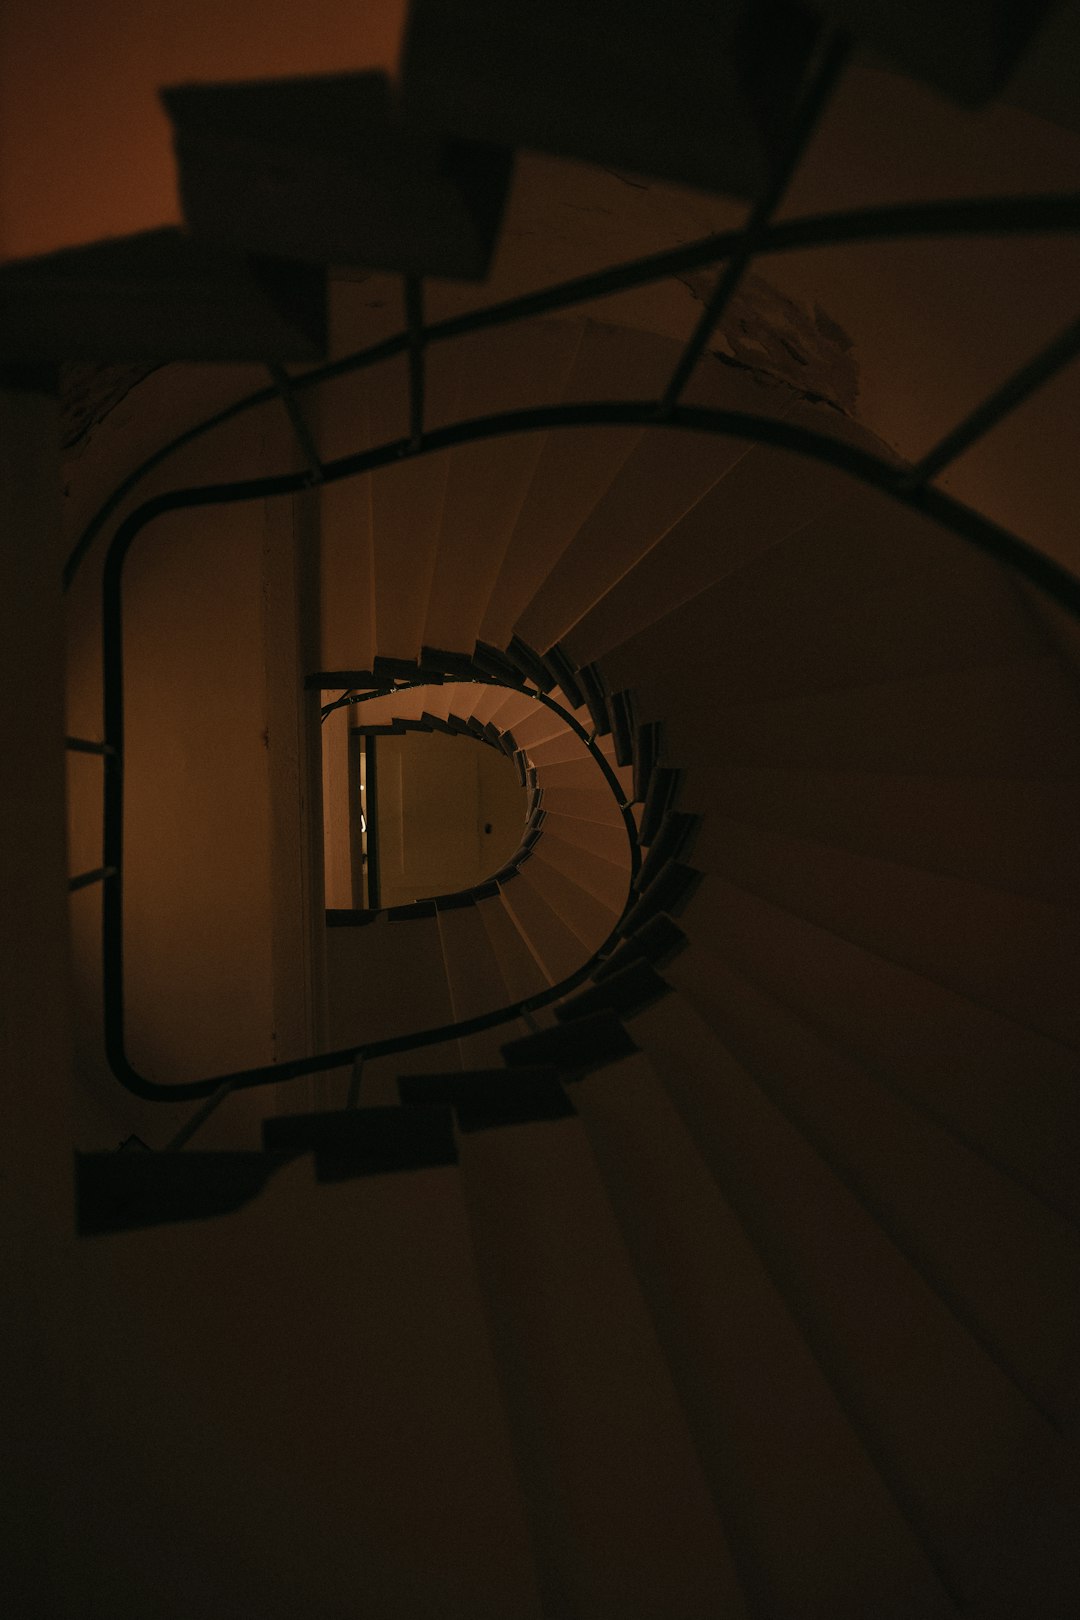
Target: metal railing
(733, 252)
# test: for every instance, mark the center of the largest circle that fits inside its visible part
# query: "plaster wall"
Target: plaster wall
(216, 973)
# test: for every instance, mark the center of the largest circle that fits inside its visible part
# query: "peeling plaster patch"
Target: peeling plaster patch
(88, 392)
(627, 180)
(767, 331)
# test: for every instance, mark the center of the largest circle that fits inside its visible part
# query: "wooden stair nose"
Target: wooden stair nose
(324, 168)
(694, 91)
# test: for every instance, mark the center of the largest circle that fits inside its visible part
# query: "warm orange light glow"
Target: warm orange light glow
(85, 148)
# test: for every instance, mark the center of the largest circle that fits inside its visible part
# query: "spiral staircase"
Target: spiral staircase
(682, 1221)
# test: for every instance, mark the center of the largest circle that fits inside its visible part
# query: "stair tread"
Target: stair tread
(1008, 834)
(605, 841)
(160, 295)
(607, 881)
(263, 164)
(755, 506)
(664, 476)
(522, 973)
(590, 920)
(574, 468)
(1007, 1089)
(487, 1098)
(1019, 718)
(385, 980)
(996, 1255)
(812, 1526)
(617, 88)
(584, 804)
(951, 1436)
(387, 1299)
(552, 941)
(1000, 949)
(407, 504)
(476, 982)
(812, 584)
(508, 369)
(621, 1515)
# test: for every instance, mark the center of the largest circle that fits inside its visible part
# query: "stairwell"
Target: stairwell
(682, 1220)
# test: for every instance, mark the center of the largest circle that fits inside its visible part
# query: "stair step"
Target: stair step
(528, 663)
(620, 1513)
(590, 920)
(575, 466)
(605, 880)
(814, 588)
(386, 979)
(994, 1254)
(365, 1141)
(1004, 833)
(982, 1476)
(484, 1099)
(509, 368)
(662, 480)
(604, 841)
(587, 1042)
(581, 773)
(625, 992)
(552, 941)
(476, 982)
(1002, 950)
(657, 941)
(968, 51)
(764, 499)
(812, 1527)
(996, 1085)
(670, 890)
(673, 839)
(692, 98)
(565, 673)
(542, 726)
(407, 502)
(121, 1192)
(160, 296)
(522, 974)
(648, 749)
(324, 168)
(664, 783)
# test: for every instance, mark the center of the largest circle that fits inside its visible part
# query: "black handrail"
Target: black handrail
(989, 537)
(908, 487)
(984, 216)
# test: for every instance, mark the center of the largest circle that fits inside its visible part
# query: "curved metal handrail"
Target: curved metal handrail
(993, 216)
(981, 532)
(909, 487)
